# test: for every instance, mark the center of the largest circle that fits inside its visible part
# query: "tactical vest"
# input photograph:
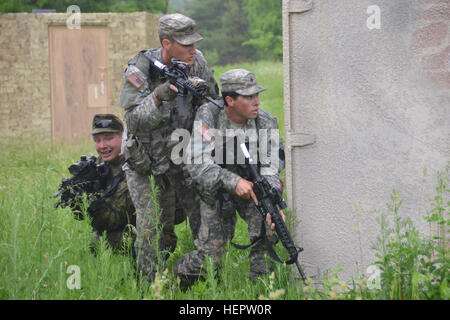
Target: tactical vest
(113, 209)
(215, 110)
(157, 142)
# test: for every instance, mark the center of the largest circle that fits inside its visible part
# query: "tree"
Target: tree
(235, 33)
(156, 6)
(265, 27)
(223, 25)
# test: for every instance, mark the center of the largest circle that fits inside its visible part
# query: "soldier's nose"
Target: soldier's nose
(102, 144)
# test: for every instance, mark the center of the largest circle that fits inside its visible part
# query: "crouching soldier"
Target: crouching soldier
(215, 169)
(103, 181)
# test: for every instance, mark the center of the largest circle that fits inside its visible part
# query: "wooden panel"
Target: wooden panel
(79, 79)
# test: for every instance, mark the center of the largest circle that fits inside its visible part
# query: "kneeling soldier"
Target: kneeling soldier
(221, 183)
(103, 181)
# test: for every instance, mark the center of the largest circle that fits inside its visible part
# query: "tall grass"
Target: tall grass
(39, 243)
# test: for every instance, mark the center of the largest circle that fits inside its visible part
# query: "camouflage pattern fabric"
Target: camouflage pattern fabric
(241, 81)
(212, 179)
(115, 215)
(180, 28)
(153, 126)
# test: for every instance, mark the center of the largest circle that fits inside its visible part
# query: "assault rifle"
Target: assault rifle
(269, 200)
(87, 177)
(178, 76)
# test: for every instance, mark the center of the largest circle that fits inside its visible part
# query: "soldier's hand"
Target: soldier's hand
(165, 92)
(244, 189)
(269, 219)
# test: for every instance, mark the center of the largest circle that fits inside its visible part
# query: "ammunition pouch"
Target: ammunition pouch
(136, 156)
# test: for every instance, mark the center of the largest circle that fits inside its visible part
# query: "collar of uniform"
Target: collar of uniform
(225, 123)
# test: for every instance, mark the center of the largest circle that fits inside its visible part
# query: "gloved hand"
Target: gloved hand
(165, 92)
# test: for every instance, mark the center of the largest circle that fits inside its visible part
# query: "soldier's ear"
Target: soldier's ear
(165, 43)
(229, 100)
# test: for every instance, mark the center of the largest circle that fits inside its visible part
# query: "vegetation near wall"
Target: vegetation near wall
(43, 249)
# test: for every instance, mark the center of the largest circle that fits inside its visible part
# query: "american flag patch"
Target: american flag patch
(135, 80)
(205, 133)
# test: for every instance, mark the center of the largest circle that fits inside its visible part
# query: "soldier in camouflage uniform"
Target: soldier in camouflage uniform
(150, 104)
(217, 179)
(111, 209)
(114, 211)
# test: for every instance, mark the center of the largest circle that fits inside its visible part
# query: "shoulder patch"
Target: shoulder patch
(135, 80)
(205, 133)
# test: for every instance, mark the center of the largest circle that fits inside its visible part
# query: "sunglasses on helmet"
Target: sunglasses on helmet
(108, 123)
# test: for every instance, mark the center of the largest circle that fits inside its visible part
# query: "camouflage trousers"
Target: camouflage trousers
(150, 222)
(216, 228)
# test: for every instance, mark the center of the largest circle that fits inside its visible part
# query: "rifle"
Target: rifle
(178, 76)
(269, 200)
(87, 177)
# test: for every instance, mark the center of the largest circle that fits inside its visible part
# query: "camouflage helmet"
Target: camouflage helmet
(241, 81)
(106, 122)
(180, 28)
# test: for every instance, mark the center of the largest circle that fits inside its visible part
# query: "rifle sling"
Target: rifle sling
(269, 246)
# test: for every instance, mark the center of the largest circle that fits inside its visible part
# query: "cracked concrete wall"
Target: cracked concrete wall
(366, 112)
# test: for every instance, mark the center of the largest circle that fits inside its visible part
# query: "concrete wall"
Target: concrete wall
(366, 112)
(25, 105)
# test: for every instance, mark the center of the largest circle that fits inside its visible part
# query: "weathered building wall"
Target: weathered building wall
(25, 97)
(366, 112)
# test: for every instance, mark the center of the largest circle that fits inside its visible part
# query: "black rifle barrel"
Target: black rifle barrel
(180, 79)
(268, 204)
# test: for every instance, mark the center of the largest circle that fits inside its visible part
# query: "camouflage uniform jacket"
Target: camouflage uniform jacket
(151, 124)
(115, 211)
(210, 176)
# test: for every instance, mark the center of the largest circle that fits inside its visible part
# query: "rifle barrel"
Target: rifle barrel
(302, 274)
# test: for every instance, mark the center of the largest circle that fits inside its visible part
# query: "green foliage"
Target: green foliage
(38, 242)
(435, 263)
(235, 31)
(414, 266)
(265, 28)
(223, 25)
(157, 6)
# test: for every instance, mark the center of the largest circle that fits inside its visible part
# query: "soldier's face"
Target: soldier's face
(244, 107)
(179, 51)
(108, 145)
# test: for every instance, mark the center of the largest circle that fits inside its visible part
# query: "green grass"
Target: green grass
(39, 243)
